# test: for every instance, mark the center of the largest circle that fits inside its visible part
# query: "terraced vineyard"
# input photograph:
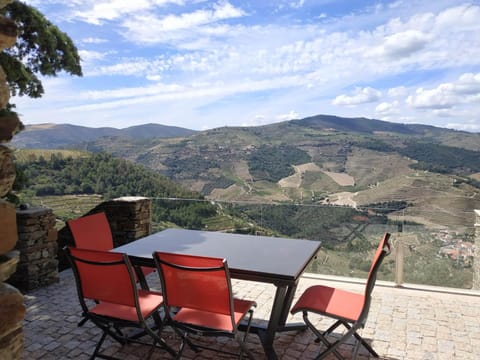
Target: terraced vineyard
(67, 207)
(432, 197)
(24, 155)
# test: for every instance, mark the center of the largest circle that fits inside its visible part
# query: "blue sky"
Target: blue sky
(205, 64)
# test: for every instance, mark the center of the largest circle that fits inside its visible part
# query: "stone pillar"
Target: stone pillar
(476, 253)
(37, 244)
(12, 309)
(12, 312)
(130, 218)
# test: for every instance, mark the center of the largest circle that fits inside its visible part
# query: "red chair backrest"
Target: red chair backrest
(197, 282)
(383, 249)
(103, 275)
(384, 245)
(92, 232)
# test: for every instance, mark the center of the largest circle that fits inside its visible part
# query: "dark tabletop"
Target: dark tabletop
(249, 257)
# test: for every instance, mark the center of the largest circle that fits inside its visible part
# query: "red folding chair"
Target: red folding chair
(94, 232)
(108, 279)
(198, 299)
(349, 309)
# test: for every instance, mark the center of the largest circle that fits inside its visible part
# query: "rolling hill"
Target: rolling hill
(58, 136)
(322, 159)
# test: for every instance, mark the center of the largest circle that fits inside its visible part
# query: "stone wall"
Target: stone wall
(31, 262)
(37, 244)
(12, 312)
(12, 309)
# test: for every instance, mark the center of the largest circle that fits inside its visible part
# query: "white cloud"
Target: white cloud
(459, 18)
(438, 98)
(149, 28)
(387, 109)
(404, 44)
(399, 91)
(263, 119)
(100, 10)
(468, 84)
(204, 92)
(93, 40)
(226, 54)
(132, 92)
(447, 95)
(132, 67)
(154, 77)
(425, 40)
(297, 4)
(314, 51)
(360, 96)
(199, 17)
(89, 55)
(473, 127)
(256, 120)
(291, 115)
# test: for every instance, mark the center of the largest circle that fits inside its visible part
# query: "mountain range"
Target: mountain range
(322, 159)
(58, 136)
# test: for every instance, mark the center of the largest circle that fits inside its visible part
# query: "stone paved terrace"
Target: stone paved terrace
(403, 324)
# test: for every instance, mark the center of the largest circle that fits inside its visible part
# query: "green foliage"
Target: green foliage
(469, 181)
(387, 207)
(430, 155)
(272, 163)
(442, 158)
(100, 173)
(194, 166)
(310, 222)
(112, 177)
(186, 214)
(41, 48)
(221, 182)
(359, 261)
(435, 271)
(374, 144)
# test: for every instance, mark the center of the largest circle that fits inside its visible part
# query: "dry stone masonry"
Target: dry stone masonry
(37, 244)
(129, 218)
(12, 308)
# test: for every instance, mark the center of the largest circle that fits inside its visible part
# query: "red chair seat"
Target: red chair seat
(214, 320)
(148, 302)
(330, 301)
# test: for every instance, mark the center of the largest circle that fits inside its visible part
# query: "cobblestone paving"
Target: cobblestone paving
(403, 324)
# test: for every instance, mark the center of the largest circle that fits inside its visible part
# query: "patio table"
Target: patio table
(278, 261)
